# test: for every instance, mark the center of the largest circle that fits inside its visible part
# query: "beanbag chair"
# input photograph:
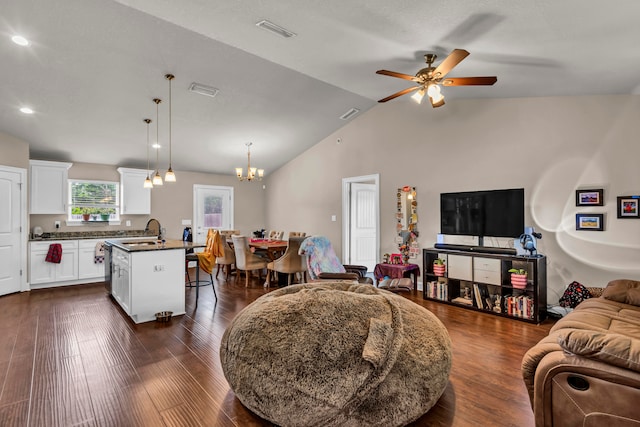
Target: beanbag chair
(331, 354)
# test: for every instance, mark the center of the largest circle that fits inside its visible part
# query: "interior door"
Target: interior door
(213, 208)
(12, 251)
(361, 220)
(363, 225)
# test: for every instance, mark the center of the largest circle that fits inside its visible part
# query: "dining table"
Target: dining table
(273, 248)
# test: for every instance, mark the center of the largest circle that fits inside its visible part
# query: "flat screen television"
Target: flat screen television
(494, 213)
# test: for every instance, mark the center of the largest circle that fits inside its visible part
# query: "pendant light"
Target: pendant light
(147, 182)
(157, 179)
(169, 176)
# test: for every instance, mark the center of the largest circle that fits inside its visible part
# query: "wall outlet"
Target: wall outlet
(334, 218)
(128, 223)
(57, 224)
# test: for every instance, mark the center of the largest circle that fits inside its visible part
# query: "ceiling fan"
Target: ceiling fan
(430, 78)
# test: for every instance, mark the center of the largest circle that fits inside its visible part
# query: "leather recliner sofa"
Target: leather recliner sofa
(586, 371)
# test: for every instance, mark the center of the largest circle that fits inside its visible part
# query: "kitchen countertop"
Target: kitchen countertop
(151, 245)
(81, 235)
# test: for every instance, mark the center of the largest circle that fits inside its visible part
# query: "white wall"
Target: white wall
(549, 146)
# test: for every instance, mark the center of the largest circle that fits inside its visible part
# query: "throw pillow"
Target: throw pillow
(623, 290)
(574, 295)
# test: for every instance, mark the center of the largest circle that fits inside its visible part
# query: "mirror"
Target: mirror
(407, 221)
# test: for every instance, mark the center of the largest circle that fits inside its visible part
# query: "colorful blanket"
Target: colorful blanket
(321, 258)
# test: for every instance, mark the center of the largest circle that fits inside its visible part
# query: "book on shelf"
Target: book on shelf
(519, 306)
(437, 290)
(482, 297)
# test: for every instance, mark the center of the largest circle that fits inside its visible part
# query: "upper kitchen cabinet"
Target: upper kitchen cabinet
(48, 187)
(134, 198)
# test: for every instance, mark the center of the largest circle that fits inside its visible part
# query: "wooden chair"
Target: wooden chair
(297, 234)
(247, 260)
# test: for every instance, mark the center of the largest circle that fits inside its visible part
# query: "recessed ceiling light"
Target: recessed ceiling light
(276, 29)
(155, 145)
(26, 110)
(203, 89)
(19, 40)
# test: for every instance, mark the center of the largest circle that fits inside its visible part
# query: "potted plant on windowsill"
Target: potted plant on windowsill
(105, 213)
(86, 214)
(518, 278)
(438, 267)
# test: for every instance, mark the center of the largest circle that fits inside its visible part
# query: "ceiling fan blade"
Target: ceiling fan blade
(398, 75)
(469, 81)
(397, 94)
(449, 62)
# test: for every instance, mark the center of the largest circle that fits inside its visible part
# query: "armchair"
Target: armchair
(323, 263)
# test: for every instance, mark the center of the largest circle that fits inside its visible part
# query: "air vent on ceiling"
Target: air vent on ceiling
(276, 29)
(352, 112)
(203, 89)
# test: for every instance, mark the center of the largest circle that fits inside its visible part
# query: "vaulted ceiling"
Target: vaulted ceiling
(93, 67)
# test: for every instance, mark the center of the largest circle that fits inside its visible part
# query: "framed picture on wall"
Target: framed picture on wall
(593, 222)
(628, 207)
(590, 197)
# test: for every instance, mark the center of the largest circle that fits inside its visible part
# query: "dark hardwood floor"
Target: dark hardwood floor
(70, 357)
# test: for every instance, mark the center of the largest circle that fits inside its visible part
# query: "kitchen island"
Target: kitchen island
(147, 276)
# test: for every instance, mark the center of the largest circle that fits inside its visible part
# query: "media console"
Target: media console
(480, 280)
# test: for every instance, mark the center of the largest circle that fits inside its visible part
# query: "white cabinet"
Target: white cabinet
(459, 267)
(121, 279)
(487, 270)
(134, 198)
(48, 187)
(88, 269)
(41, 271)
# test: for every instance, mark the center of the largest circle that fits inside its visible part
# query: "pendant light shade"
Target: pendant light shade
(170, 176)
(157, 179)
(147, 182)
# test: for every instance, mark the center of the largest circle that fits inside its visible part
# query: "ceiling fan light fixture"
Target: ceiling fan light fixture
(418, 96)
(437, 102)
(276, 29)
(434, 91)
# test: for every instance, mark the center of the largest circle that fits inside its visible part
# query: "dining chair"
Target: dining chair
(297, 234)
(247, 260)
(290, 263)
(275, 235)
(229, 257)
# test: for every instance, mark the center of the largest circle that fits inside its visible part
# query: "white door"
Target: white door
(12, 250)
(361, 221)
(212, 208)
(363, 225)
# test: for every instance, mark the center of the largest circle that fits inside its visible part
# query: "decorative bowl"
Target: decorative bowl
(163, 316)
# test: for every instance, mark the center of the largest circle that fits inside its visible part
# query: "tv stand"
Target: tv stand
(481, 281)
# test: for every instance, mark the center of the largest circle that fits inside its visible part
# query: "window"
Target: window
(93, 201)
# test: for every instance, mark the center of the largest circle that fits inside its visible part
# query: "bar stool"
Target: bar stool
(195, 257)
(198, 283)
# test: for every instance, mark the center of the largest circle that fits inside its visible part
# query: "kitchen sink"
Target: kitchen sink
(143, 243)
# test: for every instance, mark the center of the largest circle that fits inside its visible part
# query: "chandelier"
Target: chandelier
(251, 172)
